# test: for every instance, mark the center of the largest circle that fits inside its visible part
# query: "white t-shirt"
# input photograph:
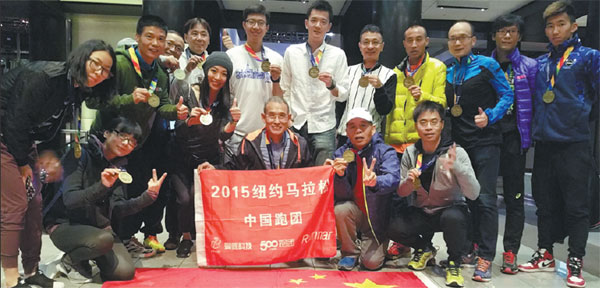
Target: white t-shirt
(197, 74)
(363, 96)
(309, 99)
(250, 86)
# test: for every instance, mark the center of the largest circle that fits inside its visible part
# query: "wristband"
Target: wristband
(275, 81)
(332, 85)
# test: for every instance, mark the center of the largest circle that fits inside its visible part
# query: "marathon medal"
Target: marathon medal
(179, 74)
(348, 156)
(153, 101)
(548, 96)
(265, 66)
(417, 183)
(206, 119)
(77, 150)
(313, 72)
(456, 110)
(409, 81)
(364, 81)
(125, 177)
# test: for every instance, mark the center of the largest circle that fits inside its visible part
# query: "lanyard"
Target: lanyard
(458, 87)
(315, 60)
(253, 54)
(559, 65)
(410, 73)
(510, 76)
(138, 70)
(427, 165)
(189, 53)
(365, 71)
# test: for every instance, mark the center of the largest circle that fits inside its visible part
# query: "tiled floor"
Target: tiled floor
(433, 277)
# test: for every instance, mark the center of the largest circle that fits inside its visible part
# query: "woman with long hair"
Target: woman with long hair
(36, 99)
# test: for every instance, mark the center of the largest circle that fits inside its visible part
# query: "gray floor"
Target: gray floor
(433, 277)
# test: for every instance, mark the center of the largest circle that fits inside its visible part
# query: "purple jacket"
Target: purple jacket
(525, 70)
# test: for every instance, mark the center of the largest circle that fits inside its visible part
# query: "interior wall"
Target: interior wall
(111, 29)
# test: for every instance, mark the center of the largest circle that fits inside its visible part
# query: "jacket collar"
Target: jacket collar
(465, 60)
(514, 56)
(402, 66)
(574, 41)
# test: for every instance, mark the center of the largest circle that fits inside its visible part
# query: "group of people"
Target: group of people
(417, 151)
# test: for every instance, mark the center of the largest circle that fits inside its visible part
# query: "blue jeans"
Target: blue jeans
(484, 211)
(321, 144)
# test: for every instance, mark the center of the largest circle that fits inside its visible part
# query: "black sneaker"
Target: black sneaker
(185, 248)
(21, 284)
(83, 267)
(39, 279)
(172, 243)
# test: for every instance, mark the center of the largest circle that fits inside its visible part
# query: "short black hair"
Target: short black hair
(175, 32)
(417, 25)
(508, 20)
(371, 28)
(77, 63)
(465, 21)
(189, 25)
(125, 125)
(320, 5)
(150, 20)
(256, 9)
(276, 99)
(428, 106)
(559, 7)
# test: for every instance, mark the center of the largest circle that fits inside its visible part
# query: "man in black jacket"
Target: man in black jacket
(272, 147)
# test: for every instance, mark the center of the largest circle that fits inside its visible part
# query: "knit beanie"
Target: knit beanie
(218, 58)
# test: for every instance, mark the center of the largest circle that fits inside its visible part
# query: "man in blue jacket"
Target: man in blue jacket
(567, 85)
(367, 173)
(478, 95)
(516, 130)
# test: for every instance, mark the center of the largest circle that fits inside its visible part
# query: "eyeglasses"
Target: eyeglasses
(375, 43)
(461, 38)
(252, 22)
(125, 138)
(503, 32)
(432, 122)
(281, 117)
(178, 49)
(96, 66)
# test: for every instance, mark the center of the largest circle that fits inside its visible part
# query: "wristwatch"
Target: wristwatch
(332, 85)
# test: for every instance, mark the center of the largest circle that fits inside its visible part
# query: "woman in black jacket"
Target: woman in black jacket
(35, 100)
(212, 121)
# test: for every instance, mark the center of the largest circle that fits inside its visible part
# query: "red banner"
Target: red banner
(264, 216)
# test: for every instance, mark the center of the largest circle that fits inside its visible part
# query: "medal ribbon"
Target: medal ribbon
(458, 87)
(559, 65)
(138, 70)
(314, 60)
(410, 73)
(365, 71)
(253, 54)
(359, 186)
(427, 165)
(510, 76)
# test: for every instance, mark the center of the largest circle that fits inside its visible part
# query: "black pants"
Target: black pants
(83, 243)
(182, 182)
(561, 190)
(413, 222)
(484, 211)
(512, 168)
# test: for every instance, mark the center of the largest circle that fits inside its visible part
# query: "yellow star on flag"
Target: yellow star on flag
(368, 284)
(317, 276)
(297, 281)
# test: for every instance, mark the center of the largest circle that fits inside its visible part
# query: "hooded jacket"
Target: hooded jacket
(378, 198)
(577, 88)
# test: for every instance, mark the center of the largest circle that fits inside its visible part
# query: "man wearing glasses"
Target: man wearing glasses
(372, 84)
(520, 72)
(315, 76)
(256, 71)
(478, 95)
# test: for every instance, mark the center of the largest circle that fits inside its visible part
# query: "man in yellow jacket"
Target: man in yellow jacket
(420, 78)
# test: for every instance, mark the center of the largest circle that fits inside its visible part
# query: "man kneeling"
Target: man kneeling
(363, 192)
(438, 175)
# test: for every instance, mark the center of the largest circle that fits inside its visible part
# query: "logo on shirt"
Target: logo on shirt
(250, 73)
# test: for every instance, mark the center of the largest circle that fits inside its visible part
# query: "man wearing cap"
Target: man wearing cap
(367, 173)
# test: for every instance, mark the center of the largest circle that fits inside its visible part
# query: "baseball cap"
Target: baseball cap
(361, 113)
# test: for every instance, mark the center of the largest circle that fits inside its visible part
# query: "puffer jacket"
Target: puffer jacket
(431, 76)
(525, 70)
(577, 88)
(378, 198)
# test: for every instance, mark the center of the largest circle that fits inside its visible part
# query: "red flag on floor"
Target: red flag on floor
(224, 278)
(264, 216)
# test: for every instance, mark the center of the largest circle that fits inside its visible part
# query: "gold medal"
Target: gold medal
(313, 72)
(77, 150)
(153, 101)
(125, 177)
(548, 97)
(456, 110)
(364, 81)
(206, 119)
(265, 66)
(409, 81)
(348, 155)
(199, 66)
(417, 183)
(179, 74)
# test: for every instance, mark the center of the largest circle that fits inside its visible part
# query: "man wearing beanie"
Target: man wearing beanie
(367, 173)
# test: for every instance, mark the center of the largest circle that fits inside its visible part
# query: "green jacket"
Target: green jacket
(122, 104)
